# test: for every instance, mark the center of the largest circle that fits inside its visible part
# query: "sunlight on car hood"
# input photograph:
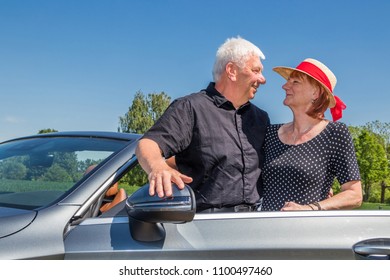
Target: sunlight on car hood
(10, 224)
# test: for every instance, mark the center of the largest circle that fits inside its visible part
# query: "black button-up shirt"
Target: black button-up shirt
(220, 147)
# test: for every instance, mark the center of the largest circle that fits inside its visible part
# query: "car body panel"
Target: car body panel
(299, 235)
(13, 220)
(42, 239)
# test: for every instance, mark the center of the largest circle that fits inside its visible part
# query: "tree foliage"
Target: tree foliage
(47, 130)
(372, 145)
(12, 169)
(382, 132)
(143, 113)
(65, 166)
(57, 173)
(372, 160)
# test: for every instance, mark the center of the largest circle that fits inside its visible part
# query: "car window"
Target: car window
(36, 172)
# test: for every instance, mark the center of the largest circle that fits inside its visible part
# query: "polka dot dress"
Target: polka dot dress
(304, 173)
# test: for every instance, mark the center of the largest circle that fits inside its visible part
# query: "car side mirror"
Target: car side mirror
(146, 213)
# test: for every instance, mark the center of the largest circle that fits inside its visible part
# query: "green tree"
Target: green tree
(47, 130)
(372, 160)
(57, 173)
(355, 131)
(383, 132)
(13, 169)
(68, 162)
(63, 163)
(84, 164)
(143, 113)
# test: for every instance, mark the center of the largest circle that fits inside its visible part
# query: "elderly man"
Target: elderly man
(216, 136)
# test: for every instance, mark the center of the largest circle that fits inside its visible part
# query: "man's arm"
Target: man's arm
(160, 174)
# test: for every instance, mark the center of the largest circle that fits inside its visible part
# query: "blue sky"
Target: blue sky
(76, 64)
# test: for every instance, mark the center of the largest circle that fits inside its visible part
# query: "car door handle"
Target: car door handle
(373, 249)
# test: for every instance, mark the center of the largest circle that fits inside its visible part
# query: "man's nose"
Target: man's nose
(261, 79)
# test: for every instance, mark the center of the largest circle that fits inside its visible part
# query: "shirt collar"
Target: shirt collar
(219, 99)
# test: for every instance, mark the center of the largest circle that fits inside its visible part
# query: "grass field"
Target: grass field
(374, 206)
(7, 185)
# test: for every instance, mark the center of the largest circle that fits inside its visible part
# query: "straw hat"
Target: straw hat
(317, 71)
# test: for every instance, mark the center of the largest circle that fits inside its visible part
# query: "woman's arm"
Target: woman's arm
(350, 197)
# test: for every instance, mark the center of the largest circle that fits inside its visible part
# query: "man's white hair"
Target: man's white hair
(236, 50)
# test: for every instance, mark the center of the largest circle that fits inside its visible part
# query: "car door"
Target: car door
(278, 235)
(285, 235)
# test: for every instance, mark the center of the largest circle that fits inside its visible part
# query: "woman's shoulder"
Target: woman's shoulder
(273, 127)
(338, 126)
(338, 132)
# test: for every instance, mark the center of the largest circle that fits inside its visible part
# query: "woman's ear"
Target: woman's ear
(317, 92)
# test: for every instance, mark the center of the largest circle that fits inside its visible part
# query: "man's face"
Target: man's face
(250, 77)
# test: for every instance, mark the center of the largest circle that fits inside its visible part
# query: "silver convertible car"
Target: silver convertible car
(59, 199)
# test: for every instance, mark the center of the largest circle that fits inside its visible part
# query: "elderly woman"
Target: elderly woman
(303, 157)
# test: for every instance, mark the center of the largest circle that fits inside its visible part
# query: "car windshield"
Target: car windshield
(35, 172)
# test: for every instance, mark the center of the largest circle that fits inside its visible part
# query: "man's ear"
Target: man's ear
(231, 71)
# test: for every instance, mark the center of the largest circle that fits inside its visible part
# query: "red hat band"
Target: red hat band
(316, 73)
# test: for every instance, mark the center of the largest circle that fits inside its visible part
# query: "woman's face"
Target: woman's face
(299, 92)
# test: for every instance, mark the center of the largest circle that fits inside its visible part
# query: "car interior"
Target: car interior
(112, 197)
